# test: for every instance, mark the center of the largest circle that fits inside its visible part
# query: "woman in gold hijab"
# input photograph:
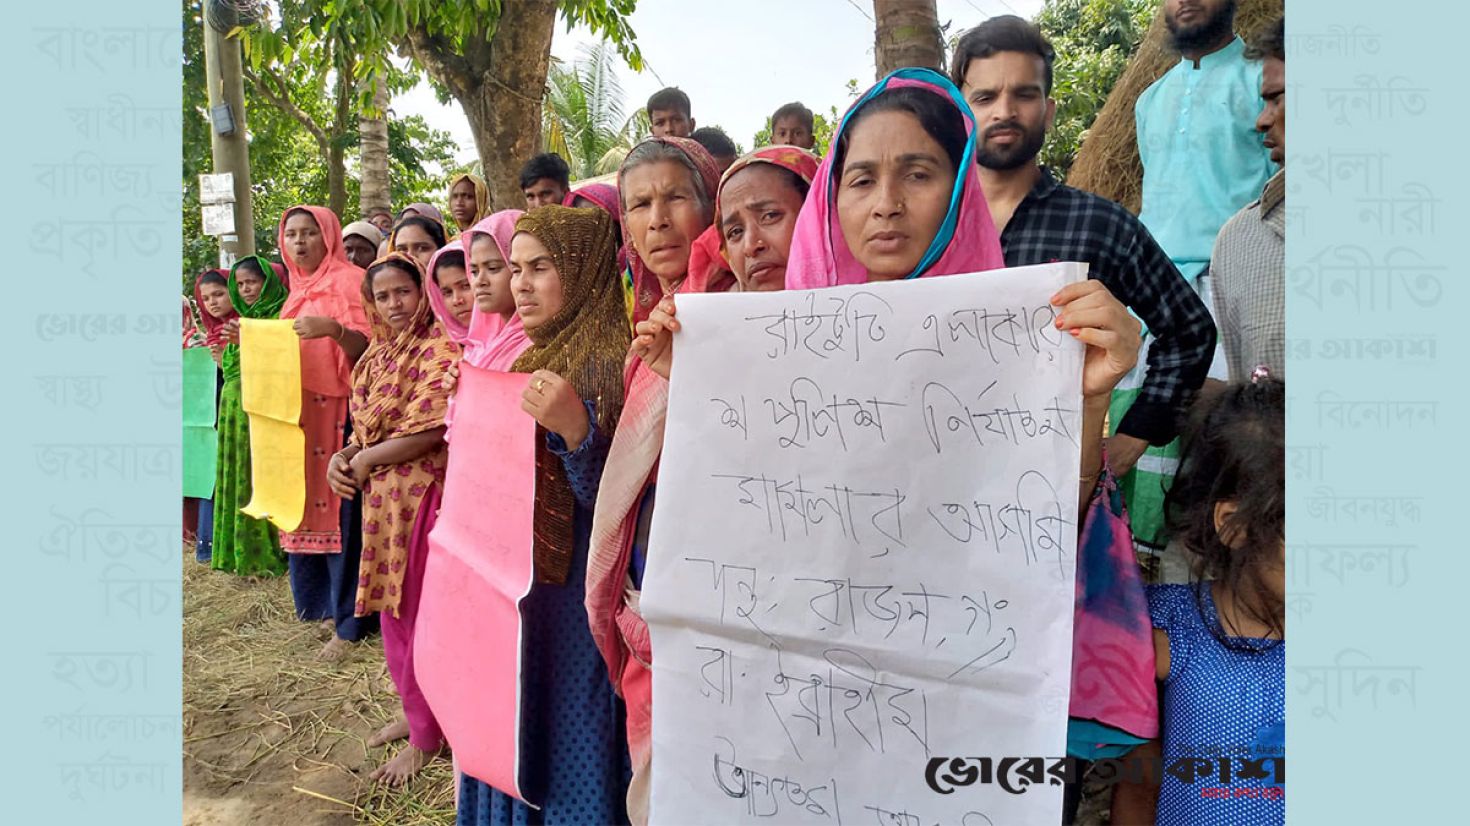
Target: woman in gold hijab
(469, 200)
(569, 297)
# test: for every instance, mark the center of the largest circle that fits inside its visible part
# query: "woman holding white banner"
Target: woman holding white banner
(569, 299)
(897, 197)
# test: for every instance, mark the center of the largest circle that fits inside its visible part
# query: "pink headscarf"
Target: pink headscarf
(819, 254)
(334, 290)
(491, 342)
(452, 327)
(605, 196)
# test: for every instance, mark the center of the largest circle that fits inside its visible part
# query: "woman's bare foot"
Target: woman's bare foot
(326, 629)
(335, 649)
(396, 730)
(404, 765)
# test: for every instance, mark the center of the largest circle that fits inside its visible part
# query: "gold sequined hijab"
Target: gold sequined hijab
(584, 343)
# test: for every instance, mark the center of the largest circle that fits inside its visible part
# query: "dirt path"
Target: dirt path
(271, 735)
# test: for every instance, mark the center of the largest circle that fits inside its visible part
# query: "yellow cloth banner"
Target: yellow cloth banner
(270, 390)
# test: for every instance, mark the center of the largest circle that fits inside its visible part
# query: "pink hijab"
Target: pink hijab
(456, 331)
(334, 290)
(966, 242)
(491, 342)
(604, 195)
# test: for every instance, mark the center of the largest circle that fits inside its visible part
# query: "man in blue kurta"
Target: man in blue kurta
(1202, 161)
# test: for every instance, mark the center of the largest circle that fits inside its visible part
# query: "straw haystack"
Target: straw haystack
(1107, 162)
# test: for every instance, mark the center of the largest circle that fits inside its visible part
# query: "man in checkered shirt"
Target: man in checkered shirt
(1004, 69)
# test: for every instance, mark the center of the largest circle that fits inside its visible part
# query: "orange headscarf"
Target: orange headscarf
(397, 390)
(333, 290)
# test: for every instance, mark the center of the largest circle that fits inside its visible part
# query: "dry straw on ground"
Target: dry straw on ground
(1107, 163)
(271, 734)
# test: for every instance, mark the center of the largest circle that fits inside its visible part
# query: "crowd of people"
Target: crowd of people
(926, 175)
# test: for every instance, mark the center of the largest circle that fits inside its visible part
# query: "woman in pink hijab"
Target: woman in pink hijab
(494, 338)
(898, 197)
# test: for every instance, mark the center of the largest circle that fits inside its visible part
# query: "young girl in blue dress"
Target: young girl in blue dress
(1220, 641)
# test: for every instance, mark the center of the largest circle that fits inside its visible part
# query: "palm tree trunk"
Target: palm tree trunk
(907, 34)
(376, 195)
(336, 159)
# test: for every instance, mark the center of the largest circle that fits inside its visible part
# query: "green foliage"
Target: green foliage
(582, 116)
(286, 166)
(823, 124)
(414, 146)
(459, 26)
(1093, 40)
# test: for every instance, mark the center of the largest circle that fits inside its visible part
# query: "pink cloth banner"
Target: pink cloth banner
(467, 647)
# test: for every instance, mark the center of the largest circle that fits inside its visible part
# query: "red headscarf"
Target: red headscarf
(213, 324)
(709, 256)
(334, 290)
(793, 159)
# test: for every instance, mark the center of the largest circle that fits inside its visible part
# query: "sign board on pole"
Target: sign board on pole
(217, 189)
(219, 219)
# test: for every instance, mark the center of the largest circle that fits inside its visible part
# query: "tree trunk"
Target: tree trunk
(346, 87)
(1107, 163)
(907, 34)
(373, 134)
(500, 83)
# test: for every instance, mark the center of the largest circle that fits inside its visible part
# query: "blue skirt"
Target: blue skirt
(573, 744)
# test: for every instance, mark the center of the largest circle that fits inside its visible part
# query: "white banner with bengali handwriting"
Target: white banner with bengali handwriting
(862, 556)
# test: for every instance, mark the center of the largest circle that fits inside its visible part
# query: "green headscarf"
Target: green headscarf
(268, 305)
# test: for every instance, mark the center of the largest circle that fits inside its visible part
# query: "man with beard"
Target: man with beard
(1004, 69)
(1249, 263)
(1202, 161)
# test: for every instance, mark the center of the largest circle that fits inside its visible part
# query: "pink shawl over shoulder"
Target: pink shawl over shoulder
(631, 463)
(819, 255)
(333, 290)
